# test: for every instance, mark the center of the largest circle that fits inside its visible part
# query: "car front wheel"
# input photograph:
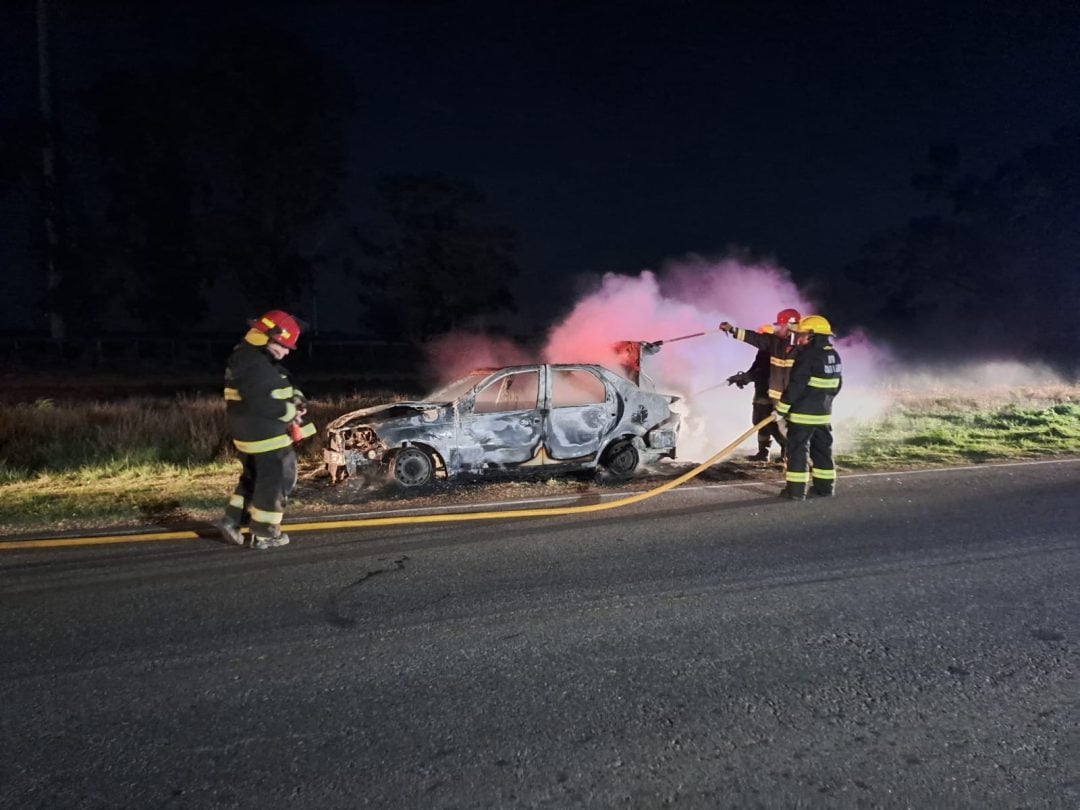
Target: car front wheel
(413, 467)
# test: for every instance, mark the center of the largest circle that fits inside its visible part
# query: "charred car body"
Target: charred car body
(562, 417)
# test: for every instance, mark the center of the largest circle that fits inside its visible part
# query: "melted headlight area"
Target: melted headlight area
(350, 448)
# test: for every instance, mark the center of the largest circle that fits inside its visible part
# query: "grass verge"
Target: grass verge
(912, 436)
(101, 467)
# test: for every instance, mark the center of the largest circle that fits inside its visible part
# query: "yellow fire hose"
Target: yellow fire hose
(402, 520)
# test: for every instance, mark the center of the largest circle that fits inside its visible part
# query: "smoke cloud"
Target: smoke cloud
(695, 295)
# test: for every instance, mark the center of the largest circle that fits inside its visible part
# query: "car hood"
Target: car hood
(380, 414)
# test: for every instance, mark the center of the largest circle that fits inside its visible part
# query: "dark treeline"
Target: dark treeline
(223, 178)
(997, 273)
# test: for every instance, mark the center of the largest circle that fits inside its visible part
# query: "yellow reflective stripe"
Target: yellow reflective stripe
(824, 475)
(798, 477)
(809, 418)
(290, 413)
(780, 362)
(298, 393)
(232, 395)
(782, 407)
(263, 445)
(267, 322)
(282, 393)
(270, 518)
(824, 382)
(774, 394)
(237, 501)
(308, 430)
(740, 334)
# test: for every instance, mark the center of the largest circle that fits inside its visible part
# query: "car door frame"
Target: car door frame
(609, 410)
(472, 428)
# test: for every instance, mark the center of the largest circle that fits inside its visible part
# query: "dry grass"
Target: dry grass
(50, 437)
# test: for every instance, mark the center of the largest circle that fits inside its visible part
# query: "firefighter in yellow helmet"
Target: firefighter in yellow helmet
(264, 416)
(807, 406)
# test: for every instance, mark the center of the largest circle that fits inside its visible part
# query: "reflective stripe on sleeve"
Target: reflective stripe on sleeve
(232, 395)
(269, 518)
(782, 408)
(780, 362)
(283, 393)
(740, 334)
(263, 445)
(774, 394)
(824, 382)
(308, 430)
(809, 418)
(290, 413)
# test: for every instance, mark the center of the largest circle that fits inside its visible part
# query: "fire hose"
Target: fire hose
(403, 520)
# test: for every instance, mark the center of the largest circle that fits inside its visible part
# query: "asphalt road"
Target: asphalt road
(914, 642)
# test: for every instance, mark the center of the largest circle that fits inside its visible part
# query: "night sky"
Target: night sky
(613, 136)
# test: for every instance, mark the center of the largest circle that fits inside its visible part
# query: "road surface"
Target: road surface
(913, 642)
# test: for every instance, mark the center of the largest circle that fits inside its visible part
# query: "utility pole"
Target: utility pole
(48, 174)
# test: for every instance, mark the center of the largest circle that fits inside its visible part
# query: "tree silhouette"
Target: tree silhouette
(225, 169)
(991, 273)
(437, 269)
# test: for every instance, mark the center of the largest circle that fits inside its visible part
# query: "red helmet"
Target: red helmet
(789, 317)
(280, 327)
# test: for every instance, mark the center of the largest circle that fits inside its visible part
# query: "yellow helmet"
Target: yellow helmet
(815, 324)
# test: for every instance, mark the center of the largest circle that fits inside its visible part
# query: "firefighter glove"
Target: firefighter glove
(740, 379)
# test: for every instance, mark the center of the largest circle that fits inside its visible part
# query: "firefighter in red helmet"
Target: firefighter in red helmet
(779, 346)
(264, 415)
(758, 374)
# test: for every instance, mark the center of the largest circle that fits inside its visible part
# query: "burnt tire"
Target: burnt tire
(412, 467)
(621, 459)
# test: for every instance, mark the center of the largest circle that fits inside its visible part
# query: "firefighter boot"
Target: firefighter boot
(795, 491)
(761, 455)
(230, 531)
(270, 542)
(822, 489)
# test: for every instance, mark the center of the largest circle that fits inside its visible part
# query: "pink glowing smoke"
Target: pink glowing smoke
(458, 353)
(690, 296)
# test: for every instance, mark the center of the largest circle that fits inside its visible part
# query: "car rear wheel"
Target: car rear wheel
(412, 467)
(621, 459)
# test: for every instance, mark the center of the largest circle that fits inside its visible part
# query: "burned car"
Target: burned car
(558, 417)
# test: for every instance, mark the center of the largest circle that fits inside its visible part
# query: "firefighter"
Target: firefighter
(264, 416)
(778, 345)
(758, 374)
(807, 406)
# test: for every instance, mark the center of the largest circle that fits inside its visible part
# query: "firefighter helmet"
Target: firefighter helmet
(766, 329)
(815, 325)
(280, 327)
(788, 317)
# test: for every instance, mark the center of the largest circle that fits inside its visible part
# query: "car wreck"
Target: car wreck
(559, 417)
